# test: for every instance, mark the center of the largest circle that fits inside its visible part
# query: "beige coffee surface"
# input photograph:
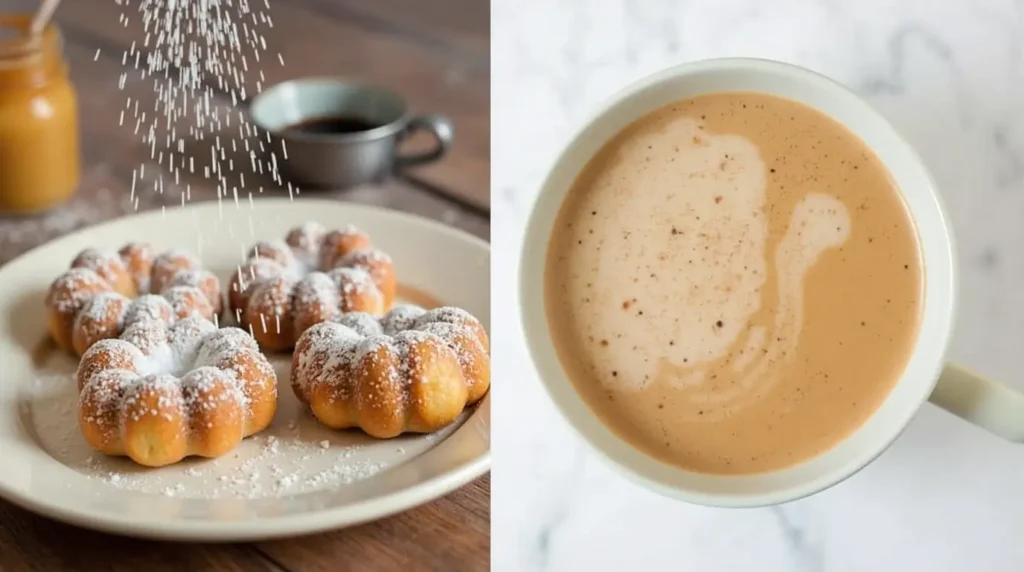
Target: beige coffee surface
(734, 284)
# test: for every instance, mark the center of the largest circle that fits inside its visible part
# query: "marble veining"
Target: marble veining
(950, 75)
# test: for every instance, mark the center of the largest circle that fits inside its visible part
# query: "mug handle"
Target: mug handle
(443, 132)
(986, 403)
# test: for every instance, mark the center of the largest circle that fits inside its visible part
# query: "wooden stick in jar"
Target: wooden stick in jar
(42, 17)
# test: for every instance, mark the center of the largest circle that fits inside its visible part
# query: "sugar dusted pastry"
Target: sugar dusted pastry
(411, 370)
(313, 276)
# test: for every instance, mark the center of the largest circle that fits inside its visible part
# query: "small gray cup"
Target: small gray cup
(334, 133)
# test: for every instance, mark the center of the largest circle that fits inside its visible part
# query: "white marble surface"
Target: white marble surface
(950, 75)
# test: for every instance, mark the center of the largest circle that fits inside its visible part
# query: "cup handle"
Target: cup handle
(986, 403)
(442, 129)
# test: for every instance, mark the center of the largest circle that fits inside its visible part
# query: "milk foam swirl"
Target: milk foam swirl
(702, 265)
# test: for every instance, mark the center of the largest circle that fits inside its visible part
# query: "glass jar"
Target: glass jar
(39, 147)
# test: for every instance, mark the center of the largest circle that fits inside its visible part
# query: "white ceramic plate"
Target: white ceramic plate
(297, 477)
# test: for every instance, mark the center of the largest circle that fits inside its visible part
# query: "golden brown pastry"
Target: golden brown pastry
(91, 301)
(163, 391)
(312, 276)
(412, 370)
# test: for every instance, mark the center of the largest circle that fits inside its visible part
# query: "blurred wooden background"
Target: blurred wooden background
(436, 54)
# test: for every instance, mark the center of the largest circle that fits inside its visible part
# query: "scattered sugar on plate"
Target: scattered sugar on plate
(274, 467)
(174, 491)
(294, 456)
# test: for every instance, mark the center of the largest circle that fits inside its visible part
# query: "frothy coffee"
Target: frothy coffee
(733, 283)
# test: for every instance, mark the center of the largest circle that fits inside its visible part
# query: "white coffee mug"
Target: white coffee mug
(927, 375)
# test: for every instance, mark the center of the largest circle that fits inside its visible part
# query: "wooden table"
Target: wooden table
(434, 53)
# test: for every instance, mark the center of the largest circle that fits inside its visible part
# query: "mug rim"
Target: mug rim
(386, 130)
(581, 417)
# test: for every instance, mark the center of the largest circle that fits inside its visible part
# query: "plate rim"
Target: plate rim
(267, 528)
(251, 530)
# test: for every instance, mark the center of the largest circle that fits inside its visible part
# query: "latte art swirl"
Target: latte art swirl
(712, 276)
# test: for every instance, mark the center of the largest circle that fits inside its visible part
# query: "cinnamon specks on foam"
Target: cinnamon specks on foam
(715, 243)
(696, 245)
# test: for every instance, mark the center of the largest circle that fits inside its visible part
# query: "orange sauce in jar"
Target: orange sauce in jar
(39, 146)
